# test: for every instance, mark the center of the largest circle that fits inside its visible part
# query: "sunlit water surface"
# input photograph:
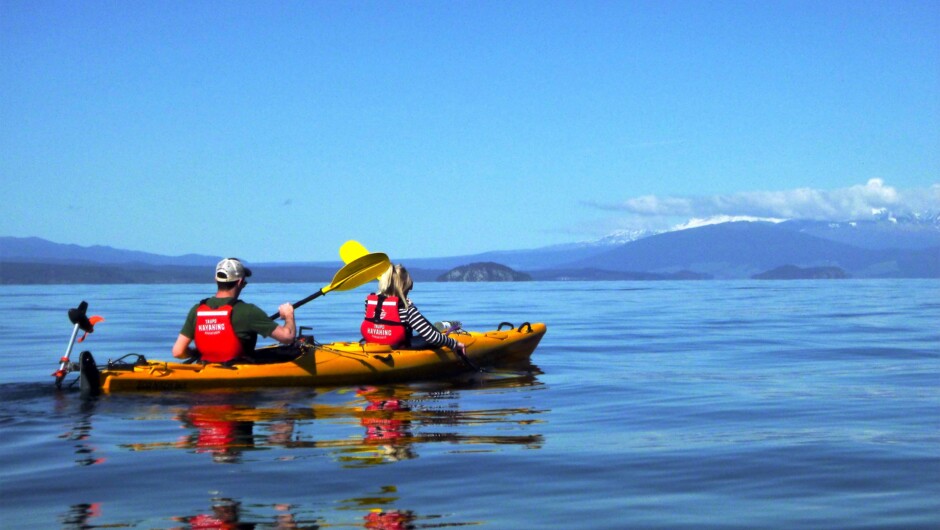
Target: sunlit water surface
(647, 405)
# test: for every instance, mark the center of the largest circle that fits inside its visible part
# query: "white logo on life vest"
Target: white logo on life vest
(211, 326)
(381, 331)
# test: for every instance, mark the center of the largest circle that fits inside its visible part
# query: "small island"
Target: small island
(484, 272)
(792, 272)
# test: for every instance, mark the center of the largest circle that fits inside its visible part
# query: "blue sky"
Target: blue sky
(275, 131)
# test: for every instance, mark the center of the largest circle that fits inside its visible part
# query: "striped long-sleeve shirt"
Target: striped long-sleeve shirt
(424, 329)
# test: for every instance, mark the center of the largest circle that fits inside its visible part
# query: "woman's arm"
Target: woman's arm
(427, 331)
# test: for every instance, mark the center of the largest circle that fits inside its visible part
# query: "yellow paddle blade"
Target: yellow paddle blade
(359, 272)
(351, 251)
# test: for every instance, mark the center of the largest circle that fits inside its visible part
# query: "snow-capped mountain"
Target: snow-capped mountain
(719, 219)
(613, 239)
(885, 230)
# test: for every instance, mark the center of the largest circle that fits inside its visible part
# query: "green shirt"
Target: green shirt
(248, 320)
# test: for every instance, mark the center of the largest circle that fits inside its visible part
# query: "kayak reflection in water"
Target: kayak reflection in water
(216, 434)
(388, 424)
(225, 431)
(390, 520)
(393, 423)
(227, 514)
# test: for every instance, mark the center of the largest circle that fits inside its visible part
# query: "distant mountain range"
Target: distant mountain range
(890, 246)
(887, 247)
(37, 250)
(742, 249)
(32, 260)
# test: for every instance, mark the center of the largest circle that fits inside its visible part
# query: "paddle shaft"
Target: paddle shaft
(299, 303)
(472, 365)
(359, 272)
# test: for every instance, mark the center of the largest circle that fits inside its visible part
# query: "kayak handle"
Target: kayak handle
(519, 329)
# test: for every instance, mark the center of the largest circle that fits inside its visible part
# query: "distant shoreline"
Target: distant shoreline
(20, 273)
(27, 273)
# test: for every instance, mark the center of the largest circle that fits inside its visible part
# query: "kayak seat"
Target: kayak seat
(279, 353)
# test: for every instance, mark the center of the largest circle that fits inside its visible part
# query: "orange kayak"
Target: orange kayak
(314, 364)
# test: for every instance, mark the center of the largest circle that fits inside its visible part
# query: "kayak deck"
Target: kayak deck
(338, 363)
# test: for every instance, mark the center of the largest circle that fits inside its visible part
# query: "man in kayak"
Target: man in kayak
(392, 319)
(226, 328)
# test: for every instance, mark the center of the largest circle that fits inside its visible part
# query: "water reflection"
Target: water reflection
(79, 515)
(225, 515)
(216, 430)
(381, 512)
(229, 514)
(80, 432)
(392, 520)
(352, 427)
(387, 423)
(398, 420)
(373, 512)
(393, 423)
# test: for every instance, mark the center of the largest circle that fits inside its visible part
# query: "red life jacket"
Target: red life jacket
(383, 326)
(215, 336)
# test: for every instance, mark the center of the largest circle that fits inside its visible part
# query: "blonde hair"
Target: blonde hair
(396, 282)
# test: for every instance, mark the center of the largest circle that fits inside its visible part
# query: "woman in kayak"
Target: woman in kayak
(392, 319)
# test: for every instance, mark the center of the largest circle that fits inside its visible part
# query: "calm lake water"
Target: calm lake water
(740, 404)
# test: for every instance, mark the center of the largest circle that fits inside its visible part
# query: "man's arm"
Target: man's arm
(181, 348)
(285, 333)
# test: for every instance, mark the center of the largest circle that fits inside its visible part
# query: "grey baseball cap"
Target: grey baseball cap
(231, 270)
